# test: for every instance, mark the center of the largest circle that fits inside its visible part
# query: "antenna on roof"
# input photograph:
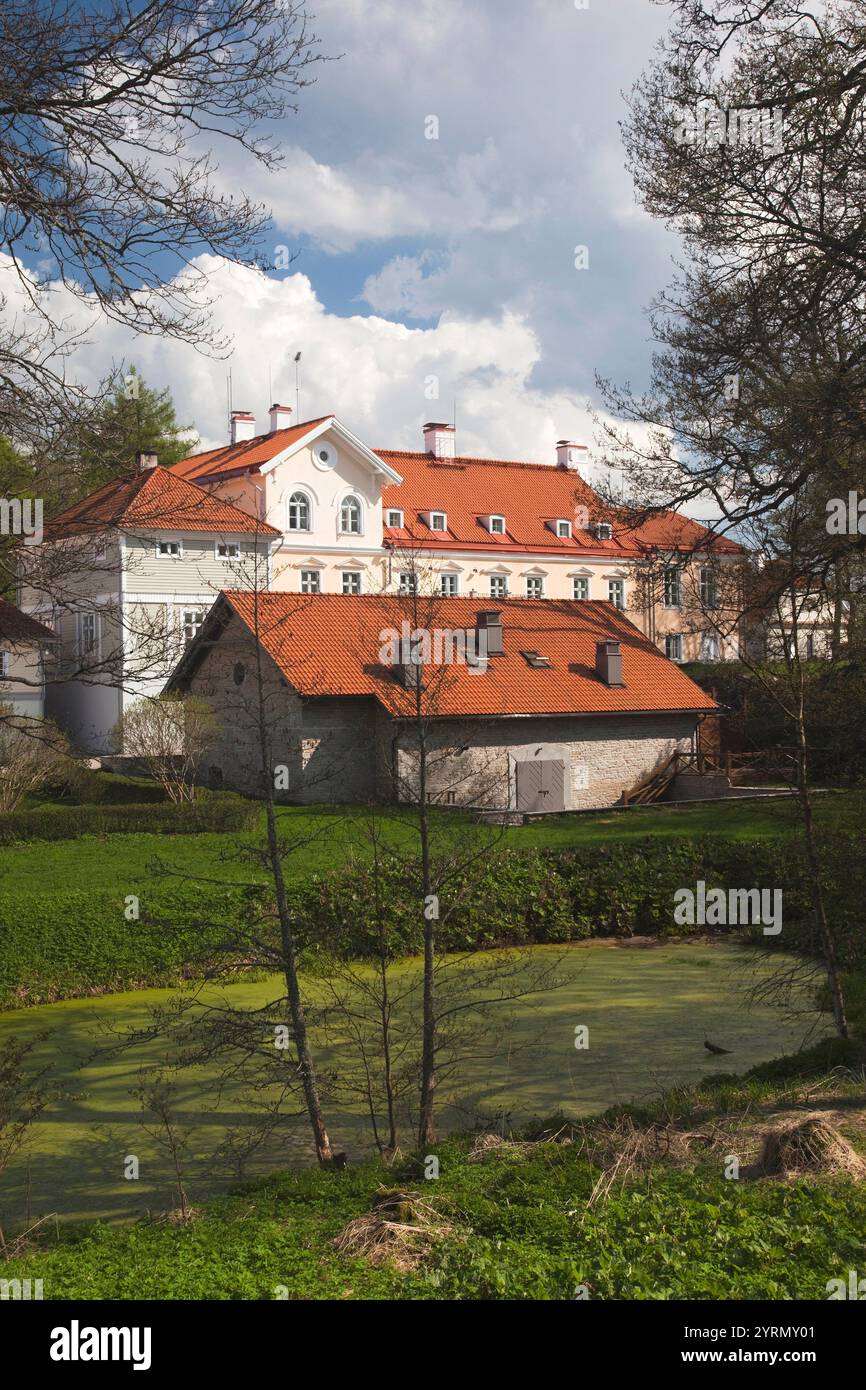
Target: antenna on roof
(298, 386)
(454, 422)
(229, 403)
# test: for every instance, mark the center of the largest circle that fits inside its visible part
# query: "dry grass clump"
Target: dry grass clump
(400, 1230)
(811, 1146)
(487, 1144)
(625, 1149)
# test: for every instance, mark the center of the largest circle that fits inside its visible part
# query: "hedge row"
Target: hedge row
(223, 813)
(567, 895)
(75, 943)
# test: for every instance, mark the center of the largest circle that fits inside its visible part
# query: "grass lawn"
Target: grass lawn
(648, 1009)
(331, 835)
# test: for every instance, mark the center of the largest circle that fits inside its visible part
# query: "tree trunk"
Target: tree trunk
(428, 1045)
(324, 1153)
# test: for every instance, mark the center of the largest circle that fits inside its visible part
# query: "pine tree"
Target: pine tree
(137, 418)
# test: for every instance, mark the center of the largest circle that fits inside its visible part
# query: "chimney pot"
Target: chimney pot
(439, 440)
(608, 662)
(569, 454)
(243, 426)
(280, 417)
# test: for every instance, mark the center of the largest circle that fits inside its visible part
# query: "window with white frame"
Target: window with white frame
(499, 586)
(408, 582)
(191, 620)
(351, 580)
(4, 665)
(563, 530)
(709, 587)
(394, 519)
(534, 586)
(603, 531)
(616, 592)
(448, 585)
(709, 647)
(299, 512)
(496, 525)
(228, 550)
(438, 521)
(673, 587)
(674, 646)
(169, 549)
(88, 634)
(311, 581)
(350, 516)
(580, 587)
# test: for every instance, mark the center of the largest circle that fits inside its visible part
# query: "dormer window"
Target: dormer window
(603, 531)
(350, 517)
(496, 525)
(438, 521)
(563, 530)
(394, 519)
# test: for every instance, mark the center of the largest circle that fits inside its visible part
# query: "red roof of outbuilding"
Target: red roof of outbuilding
(330, 644)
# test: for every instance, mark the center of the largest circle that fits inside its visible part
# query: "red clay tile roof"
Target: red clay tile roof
(246, 457)
(528, 495)
(329, 644)
(155, 500)
(16, 627)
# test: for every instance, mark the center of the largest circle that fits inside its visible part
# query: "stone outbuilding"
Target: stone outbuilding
(527, 707)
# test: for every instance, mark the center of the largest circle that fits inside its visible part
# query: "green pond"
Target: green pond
(648, 1009)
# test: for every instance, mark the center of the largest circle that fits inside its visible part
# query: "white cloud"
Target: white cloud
(374, 373)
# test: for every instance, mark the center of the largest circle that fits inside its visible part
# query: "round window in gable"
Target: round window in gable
(239, 674)
(324, 456)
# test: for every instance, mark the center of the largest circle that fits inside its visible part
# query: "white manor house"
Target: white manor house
(309, 508)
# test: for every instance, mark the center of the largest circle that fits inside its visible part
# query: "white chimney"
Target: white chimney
(144, 462)
(439, 441)
(243, 426)
(570, 455)
(280, 417)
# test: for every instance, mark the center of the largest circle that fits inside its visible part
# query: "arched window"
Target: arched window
(299, 512)
(350, 516)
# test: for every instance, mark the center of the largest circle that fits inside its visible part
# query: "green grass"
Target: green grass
(648, 1010)
(331, 835)
(521, 1228)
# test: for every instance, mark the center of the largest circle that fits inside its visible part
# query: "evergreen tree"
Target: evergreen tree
(137, 418)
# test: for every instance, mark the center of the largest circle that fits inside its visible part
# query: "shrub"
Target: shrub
(33, 752)
(218, 813)
(76, 943)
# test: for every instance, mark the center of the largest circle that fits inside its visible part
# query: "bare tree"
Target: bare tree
(170, 735)
(33, 755)
(112, 116)
(437, 767)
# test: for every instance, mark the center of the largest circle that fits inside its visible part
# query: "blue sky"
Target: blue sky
(449, 260)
